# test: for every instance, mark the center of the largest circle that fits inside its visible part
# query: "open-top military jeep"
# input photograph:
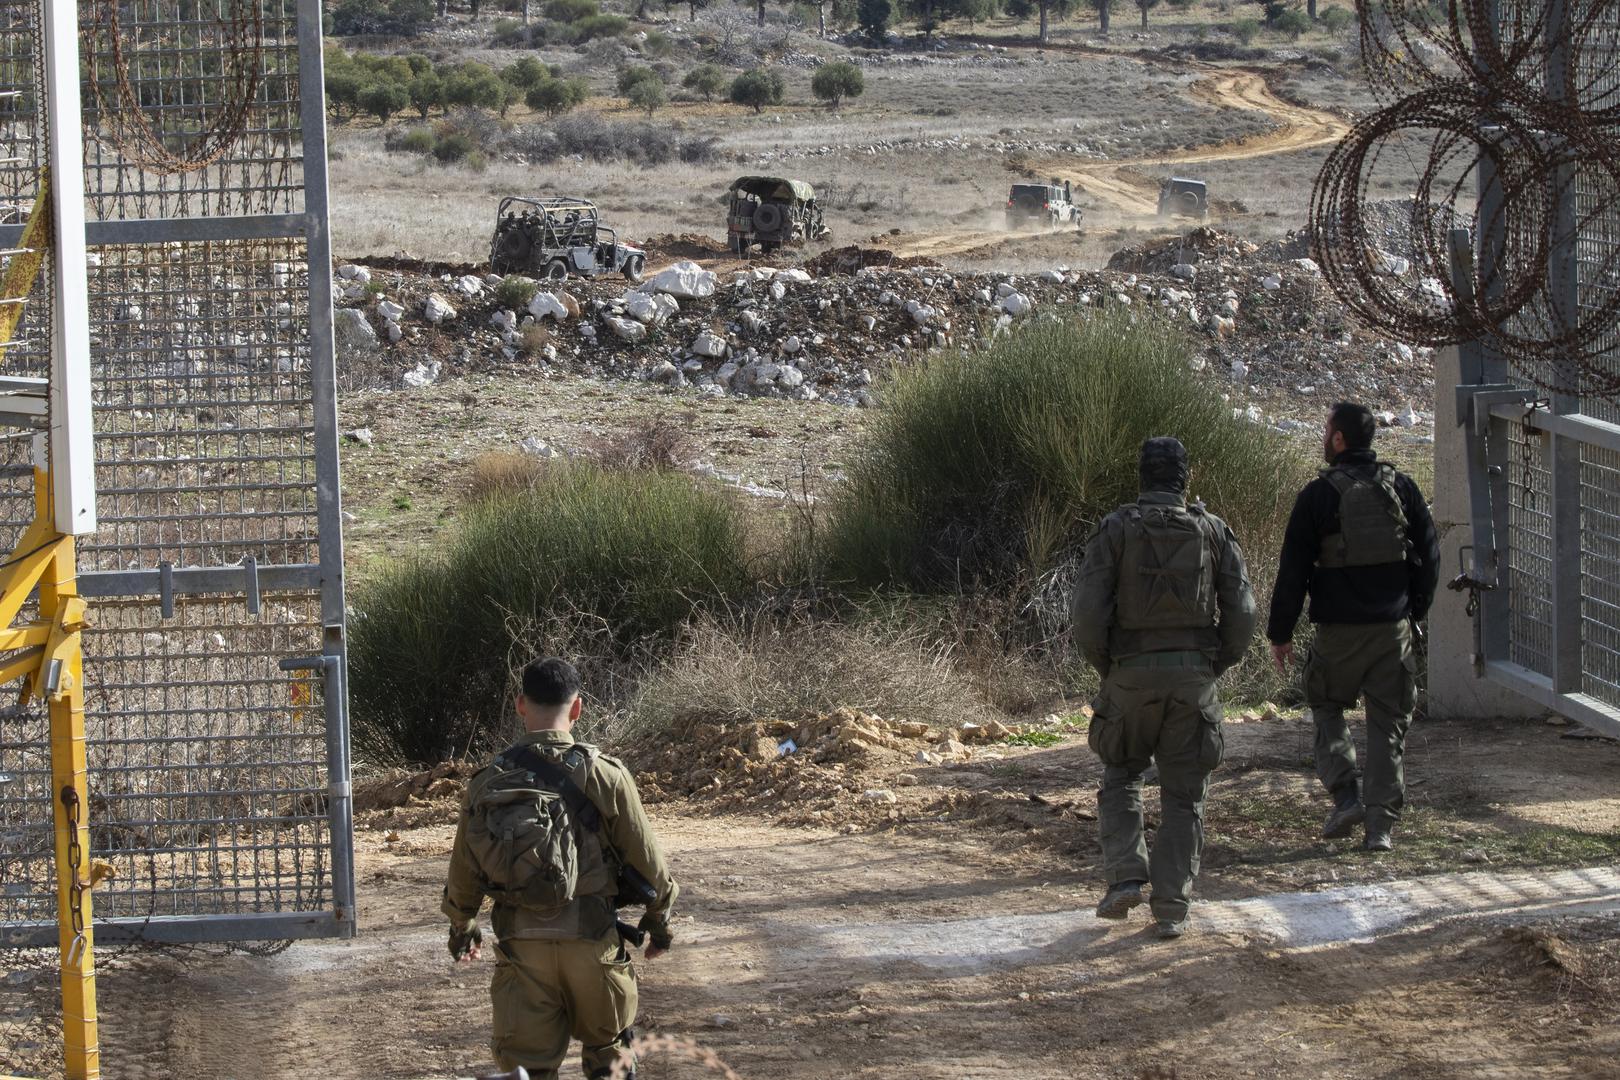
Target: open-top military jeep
(553, 238)
(771, 211)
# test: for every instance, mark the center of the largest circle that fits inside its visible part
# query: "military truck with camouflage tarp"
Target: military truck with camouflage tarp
(771, 211)
(556, 238)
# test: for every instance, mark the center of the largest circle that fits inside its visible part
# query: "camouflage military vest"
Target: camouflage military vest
(534, 835)
(1166, 570)
(1372, 524)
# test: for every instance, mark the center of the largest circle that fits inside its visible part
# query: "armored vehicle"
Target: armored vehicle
(1041, 204)
(553, 238)
(771, 211)
(1179, 197)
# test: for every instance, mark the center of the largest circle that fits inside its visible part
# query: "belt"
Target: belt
(1165, 660)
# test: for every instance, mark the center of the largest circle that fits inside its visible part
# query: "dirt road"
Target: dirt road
(961, 945)
(1120, 193)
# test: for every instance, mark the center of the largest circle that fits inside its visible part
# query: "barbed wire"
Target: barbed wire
(113, 68)
(1507, 114)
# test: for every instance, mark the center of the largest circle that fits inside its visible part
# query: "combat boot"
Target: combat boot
(1169, 929)
(1119, 899)
(1348, 812)
(1379, 836)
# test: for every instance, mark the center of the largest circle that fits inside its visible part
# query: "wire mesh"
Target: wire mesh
(210, 767)
(1530, 553)
(1600, 574)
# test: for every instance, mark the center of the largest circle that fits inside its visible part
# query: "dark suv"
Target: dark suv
(1041, 204)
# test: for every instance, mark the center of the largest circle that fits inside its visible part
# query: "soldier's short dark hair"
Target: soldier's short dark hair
(1355, 423)
(550, 682)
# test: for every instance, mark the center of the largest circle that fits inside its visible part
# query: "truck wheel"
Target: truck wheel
(632, 270)
(556, 270)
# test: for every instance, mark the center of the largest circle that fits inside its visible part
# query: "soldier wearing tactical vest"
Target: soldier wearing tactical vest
(547, 832)
(1361, 542)
(1162, 609)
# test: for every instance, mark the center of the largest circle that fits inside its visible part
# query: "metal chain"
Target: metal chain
(75, 856)
(1527, 451)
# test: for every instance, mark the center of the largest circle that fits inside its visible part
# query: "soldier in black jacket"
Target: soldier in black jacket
(1361, 542)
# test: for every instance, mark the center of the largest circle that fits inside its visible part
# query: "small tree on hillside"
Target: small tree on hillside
(874, 17)
(425, 91)
(384, 99)
(834, 82)
(630, 77)
(525, 72)
(1144, 6)
(758, 88)
(648, 94)
(556, 96)
(705, 79)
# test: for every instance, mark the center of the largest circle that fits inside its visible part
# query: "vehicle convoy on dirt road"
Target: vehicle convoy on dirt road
(772, 211)
(556, 238)
(1179, 197)
(1041, 204)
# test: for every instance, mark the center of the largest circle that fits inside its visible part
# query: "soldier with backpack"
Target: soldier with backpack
(1162, 609)
(549, 831)
(1361, 542)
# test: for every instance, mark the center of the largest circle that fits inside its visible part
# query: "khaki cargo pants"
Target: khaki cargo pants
(545, 992)
(1171, 715)
(1348, 661)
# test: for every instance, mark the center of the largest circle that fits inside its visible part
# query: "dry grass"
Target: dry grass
(501, 473)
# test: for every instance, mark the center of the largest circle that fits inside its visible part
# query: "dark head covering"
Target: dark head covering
(1163, 465)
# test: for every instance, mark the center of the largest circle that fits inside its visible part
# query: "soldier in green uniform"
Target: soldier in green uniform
(1162, 609)
(1361, 543)
(547, 830)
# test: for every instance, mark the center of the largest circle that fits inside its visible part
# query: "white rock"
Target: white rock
(1240, 371)
(424, 374)
(794, 276)
(1052, 277)
(390, 311)
(1184, 271)
(1404, 351)
(506, 320)
(1004, 290)
(1221, 326)
(1016, 304)
(664, 372)
(879, 795)
(437, 309)
(684, 281)
(1308, 265)
(395, 332)
(1229, 307)
(791, 345)
(469, 286)
(725, 373)
(778, 290)
(360, 435)
(868, 322)
(546, 305)
(752, 321)
(626, 329)
(534, 447)
(708, 344)
(765, 374)
(640, 307)
(790, 377)
(352, 334)
(1271, 282)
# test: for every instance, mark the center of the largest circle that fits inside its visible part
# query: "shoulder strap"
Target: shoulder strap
(558, 776)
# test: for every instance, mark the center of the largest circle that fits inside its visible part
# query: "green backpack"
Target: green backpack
(1372, 524)
(1166, 570)
(532, 832)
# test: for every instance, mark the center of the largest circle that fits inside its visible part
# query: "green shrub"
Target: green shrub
(556, 96)
(758, 88)
(1245, 29)
(525, 72)
(705, 79)
(630, 76)
(1291, 23)
(418, 140)
(598, 26)
(1336, 20)
(838, 80)
(657, 45)
(634, 552)
(425, 91)
(874, 17)
(647, 95)
(453, 146)
(515, 292)
(384, 99)
(981, 470)
(382, 16)
(568, 11)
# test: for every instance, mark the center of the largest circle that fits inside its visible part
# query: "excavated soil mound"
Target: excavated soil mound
(848, 260)
(1159, 255)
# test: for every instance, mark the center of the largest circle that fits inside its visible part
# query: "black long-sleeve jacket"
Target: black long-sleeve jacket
(1352, 594)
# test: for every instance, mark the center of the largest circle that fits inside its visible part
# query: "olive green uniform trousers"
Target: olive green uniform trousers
(1170, 715)
(1375, 661)
(545, 992)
